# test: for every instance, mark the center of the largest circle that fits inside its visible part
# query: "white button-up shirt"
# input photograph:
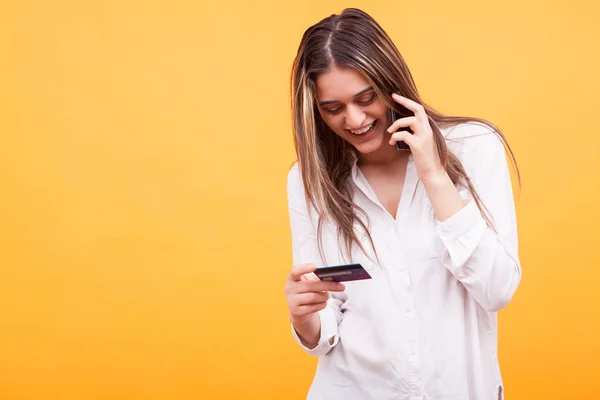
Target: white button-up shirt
(424, 326)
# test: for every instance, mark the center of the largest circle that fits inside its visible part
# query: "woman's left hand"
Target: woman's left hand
(421, 143)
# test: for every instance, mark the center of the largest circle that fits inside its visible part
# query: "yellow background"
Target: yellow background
(144, 150)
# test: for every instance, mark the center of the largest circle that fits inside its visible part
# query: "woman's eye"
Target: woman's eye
(366, 102)
(334, 111)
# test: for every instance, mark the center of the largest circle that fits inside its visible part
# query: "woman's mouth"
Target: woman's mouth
(364, 133)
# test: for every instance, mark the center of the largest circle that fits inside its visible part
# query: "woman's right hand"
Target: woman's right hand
(306, 293)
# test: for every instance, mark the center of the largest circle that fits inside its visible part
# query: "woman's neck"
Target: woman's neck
(385, 157)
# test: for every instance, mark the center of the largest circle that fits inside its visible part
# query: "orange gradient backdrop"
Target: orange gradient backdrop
(144, 148)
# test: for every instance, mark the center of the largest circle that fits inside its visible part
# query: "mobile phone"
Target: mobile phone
(342, 273)
(395, 116)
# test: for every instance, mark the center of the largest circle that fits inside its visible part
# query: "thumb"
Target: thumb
(301, 269)
(310, 277)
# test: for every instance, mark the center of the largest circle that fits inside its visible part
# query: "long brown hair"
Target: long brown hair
(354, 40)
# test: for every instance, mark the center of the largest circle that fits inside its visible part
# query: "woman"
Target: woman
(434, 226)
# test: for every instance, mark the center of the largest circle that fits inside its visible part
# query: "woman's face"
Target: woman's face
(351, 108)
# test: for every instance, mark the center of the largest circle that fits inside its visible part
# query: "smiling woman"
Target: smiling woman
(442, 254)
(354, 115)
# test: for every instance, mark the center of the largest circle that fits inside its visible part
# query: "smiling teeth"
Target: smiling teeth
(364, 130)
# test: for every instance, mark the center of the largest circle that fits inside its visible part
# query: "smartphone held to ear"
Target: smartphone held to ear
(395, 116)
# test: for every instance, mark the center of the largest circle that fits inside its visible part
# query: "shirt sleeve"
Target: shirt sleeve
(305, 250)
(485, 261)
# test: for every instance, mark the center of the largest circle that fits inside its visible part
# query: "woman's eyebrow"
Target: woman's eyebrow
(322, 103)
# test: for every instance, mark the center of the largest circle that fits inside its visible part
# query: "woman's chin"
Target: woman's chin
(370, 146)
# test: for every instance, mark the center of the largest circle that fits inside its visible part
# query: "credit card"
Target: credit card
(342, 273)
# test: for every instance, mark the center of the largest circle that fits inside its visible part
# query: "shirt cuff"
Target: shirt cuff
(328, 330)
(461, 234)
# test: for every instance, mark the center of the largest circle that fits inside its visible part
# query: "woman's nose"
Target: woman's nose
(355, 117)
